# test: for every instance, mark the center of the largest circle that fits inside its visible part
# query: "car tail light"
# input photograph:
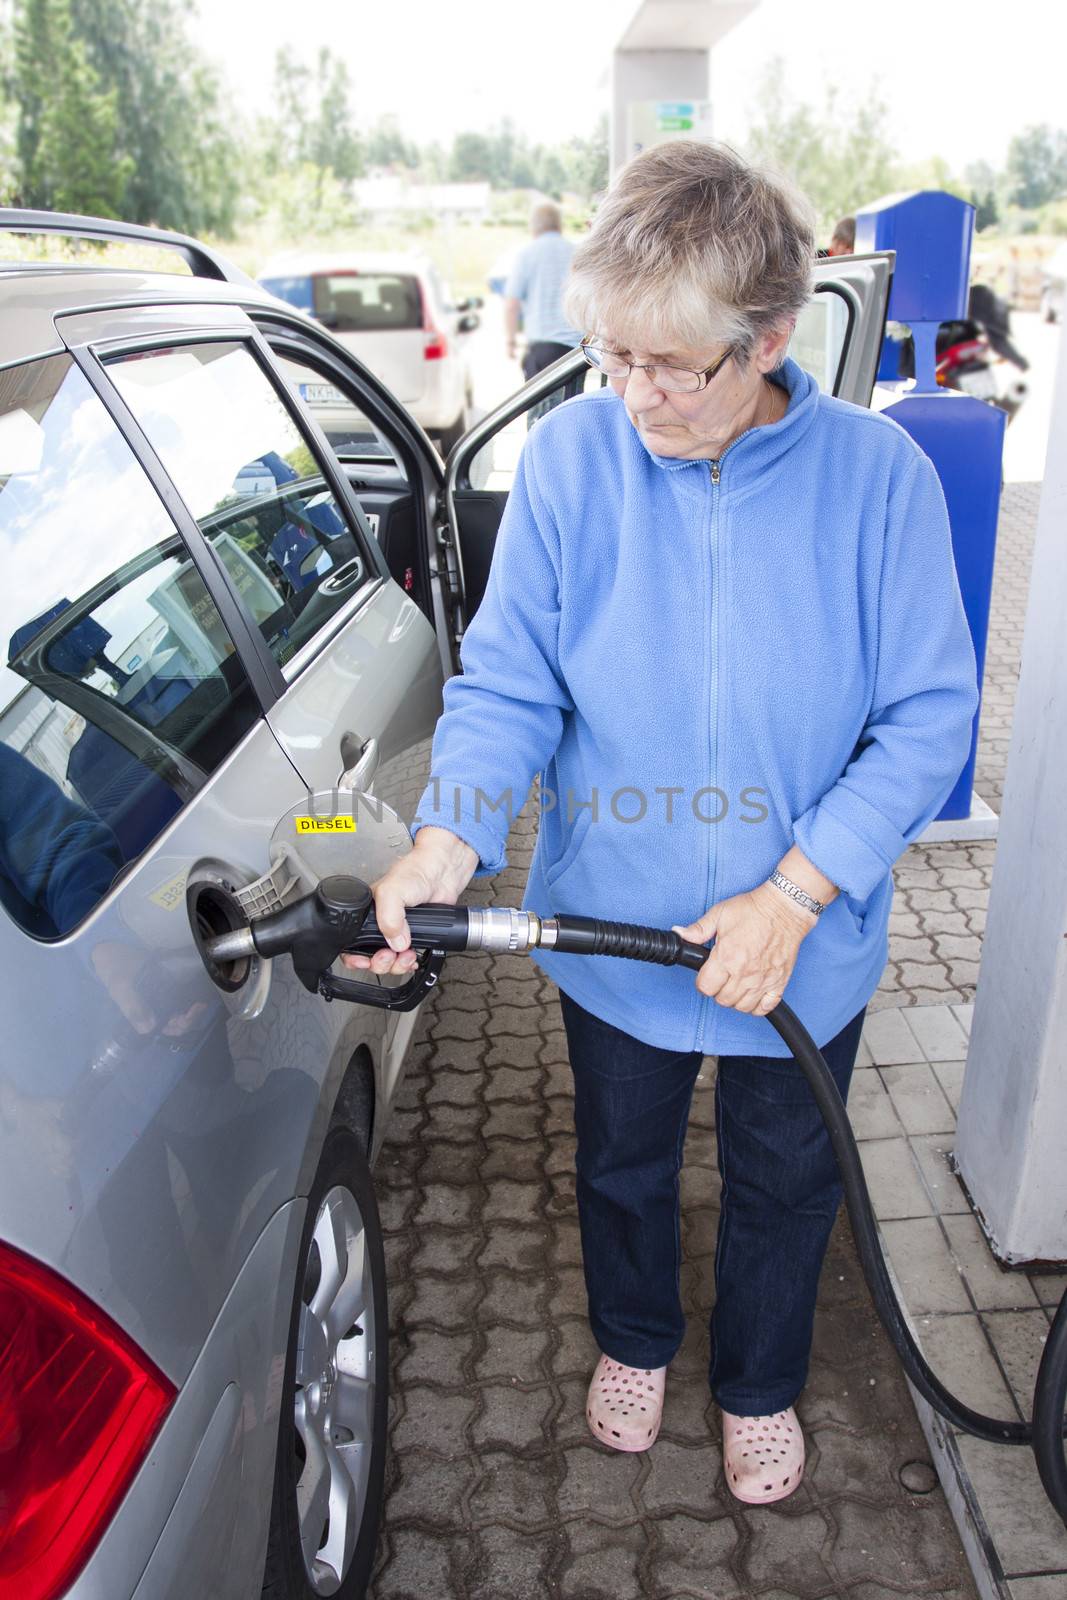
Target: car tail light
(79, 1406)
(436, 346)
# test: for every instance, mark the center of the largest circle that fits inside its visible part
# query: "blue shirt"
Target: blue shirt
(725, 669)
(536, 281)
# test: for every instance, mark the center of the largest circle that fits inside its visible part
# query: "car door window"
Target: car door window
(493, 464)
(351, 434)
(121, 689)
(819, 338)
(249, 476)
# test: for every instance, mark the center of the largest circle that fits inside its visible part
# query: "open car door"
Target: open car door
(838, 339)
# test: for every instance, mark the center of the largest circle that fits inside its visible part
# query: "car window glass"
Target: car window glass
(352, 435)
(819, 337)
(295, 290)
(120, 690)
(248, 475)
(493, 466)
(362, 302)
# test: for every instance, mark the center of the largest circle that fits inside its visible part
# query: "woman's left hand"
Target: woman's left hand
(756, 944)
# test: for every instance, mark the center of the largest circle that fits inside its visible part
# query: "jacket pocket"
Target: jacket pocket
(582, 824)
(853, 913)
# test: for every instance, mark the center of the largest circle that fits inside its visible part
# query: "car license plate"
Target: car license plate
(981, 383)
(322, 394)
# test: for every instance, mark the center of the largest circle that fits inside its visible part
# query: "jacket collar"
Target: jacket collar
(757, 449)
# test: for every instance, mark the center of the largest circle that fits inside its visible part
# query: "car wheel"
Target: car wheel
(332, 1434)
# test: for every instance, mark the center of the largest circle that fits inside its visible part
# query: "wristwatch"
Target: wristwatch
(795, 892)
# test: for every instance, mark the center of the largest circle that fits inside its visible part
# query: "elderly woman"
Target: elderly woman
(723, 626)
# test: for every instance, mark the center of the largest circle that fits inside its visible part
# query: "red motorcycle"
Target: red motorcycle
(974, 354)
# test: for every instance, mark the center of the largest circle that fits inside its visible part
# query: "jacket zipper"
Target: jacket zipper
(713, 723)
(715, 466)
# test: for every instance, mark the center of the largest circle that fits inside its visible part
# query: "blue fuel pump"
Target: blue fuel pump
(932, 233)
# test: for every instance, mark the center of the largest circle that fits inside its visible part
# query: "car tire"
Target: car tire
(334, 1412)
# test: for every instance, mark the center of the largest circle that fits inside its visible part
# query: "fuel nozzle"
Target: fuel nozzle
(338, 917)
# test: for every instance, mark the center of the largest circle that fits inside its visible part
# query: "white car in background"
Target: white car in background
(394, 312)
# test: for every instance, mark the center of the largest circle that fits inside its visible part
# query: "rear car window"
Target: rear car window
(352, 435)
(121, 690)
(295, 291)
(363, 302)
(247, 473)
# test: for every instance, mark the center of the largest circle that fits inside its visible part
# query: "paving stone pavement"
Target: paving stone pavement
(495, 1488)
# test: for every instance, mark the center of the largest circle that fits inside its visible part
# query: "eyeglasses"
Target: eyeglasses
(676, 380)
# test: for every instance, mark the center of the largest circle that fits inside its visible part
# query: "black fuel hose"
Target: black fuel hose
(590, 936)
(339, 916)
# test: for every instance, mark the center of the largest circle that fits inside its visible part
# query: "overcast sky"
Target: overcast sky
(960, 76)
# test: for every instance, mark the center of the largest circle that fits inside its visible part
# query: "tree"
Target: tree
(309, 201)
(385, 146)
(67, 138)
(982, 183)
(1037, 167)
(173, 124)
(551, 173)
(839, 157)
(472, 158)
(586, 161)
(314, 118)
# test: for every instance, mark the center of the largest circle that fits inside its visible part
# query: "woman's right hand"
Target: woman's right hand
(436, 869)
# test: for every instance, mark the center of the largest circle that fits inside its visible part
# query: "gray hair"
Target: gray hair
(693, 246)
(546, 217)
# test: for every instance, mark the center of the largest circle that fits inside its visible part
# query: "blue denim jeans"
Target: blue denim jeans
(780, 1194)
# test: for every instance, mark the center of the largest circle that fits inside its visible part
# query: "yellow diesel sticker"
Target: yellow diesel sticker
(325, 824)
(171, 894)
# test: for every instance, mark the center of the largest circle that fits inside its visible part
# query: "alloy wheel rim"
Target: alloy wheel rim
(335, 1391)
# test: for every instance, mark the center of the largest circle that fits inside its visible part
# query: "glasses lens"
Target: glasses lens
(607, 361)
(678, 380)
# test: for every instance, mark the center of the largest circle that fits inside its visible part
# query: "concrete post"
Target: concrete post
(640, 77)
(1011, 1143)
(660, 71)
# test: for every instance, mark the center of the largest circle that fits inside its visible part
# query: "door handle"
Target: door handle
(361, 760)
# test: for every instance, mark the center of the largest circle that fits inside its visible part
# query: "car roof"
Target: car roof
(40, 292)
(302, 263)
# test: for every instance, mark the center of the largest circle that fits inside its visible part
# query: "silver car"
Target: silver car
(234, 576)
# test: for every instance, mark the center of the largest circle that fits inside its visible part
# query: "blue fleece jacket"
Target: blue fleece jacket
(706, 663)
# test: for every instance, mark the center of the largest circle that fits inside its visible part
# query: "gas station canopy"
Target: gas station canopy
(682, 24)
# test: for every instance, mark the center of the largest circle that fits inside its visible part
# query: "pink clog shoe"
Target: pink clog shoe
(762, 1457)
(625, 1404)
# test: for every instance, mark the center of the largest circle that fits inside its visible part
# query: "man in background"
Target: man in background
(843, 241)
(534, 291)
